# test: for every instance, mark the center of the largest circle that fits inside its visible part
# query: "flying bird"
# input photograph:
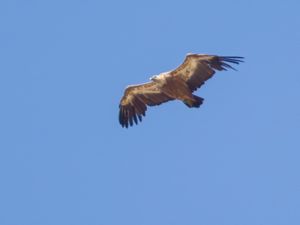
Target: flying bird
(176, 84)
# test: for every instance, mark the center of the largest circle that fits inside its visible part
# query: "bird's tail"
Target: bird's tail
(196, 102)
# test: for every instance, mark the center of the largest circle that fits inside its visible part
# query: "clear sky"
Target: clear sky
(65, 160)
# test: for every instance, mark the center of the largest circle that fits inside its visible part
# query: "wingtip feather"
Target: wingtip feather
(232, 59)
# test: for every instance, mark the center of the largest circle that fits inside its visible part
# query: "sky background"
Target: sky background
(65, 160)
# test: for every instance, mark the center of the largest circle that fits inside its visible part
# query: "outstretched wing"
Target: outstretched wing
(134, 103)
(198, 68)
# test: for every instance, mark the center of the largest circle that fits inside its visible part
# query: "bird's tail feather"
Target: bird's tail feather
(196, 102)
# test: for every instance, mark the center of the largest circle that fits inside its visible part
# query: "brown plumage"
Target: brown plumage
(176, 84)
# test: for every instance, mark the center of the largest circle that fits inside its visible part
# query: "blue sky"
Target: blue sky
(64, 158)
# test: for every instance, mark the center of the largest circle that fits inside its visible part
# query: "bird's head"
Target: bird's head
(154, 78)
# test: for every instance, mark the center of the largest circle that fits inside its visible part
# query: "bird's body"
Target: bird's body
(176, 84)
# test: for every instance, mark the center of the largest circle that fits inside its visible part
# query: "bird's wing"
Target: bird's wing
(198, 68)
(134, 103)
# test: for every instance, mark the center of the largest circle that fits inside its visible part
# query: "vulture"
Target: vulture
(176, 84)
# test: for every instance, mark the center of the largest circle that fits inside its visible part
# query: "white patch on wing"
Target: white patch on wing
(191, 67)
